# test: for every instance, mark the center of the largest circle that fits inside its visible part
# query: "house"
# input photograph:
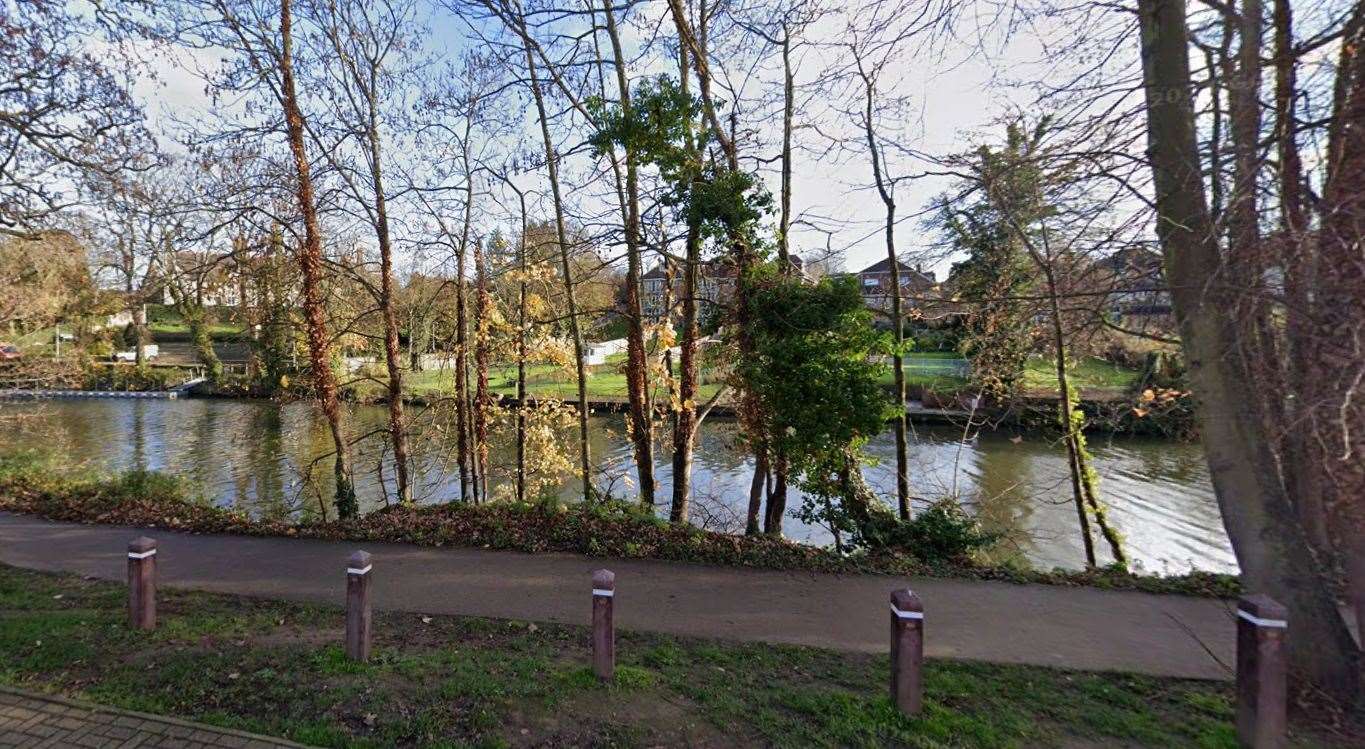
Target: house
(1137, 287)
(875, 283)
(715, 284)
(212, 279)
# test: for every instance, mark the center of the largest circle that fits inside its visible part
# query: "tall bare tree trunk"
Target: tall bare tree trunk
(1298, 259)
(637, 368)
(562, 235)
(897, 313)
(462, 420)
(1269, 543)
(392, 353)
(788, 103)
(310, 263)
(521, 354)
(482, 400)
(1338, 359)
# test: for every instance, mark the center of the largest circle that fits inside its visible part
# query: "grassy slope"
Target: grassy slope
(448, 681)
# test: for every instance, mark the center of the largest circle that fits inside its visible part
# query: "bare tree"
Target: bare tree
(1271, 545)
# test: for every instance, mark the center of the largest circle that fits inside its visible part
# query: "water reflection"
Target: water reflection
(270, 460)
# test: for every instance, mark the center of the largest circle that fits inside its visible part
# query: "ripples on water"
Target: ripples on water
(256, 455)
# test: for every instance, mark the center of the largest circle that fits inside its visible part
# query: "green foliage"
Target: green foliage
(943, 532)
(997, 270)
(128, 377)
(813, 368)
(725, 205)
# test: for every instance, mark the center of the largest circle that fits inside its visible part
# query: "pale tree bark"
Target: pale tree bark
(310, 263)
(1269, 543)
(565, 253)
(482, 400)
(462, 402)
(392, 352)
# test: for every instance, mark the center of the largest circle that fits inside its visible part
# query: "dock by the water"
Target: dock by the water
(31, 394)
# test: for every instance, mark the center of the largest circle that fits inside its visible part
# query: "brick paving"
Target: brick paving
(39, 720)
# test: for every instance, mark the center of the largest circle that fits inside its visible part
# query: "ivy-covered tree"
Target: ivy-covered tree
(718, 205)
(815, 373)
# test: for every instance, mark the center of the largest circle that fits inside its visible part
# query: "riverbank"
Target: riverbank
(278, 668)
(608, 529)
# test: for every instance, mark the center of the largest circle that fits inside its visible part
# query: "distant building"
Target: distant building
(715, 284)
(874, 282)
(1137, 285)
(213, 280)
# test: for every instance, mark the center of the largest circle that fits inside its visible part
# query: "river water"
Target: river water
(260, 456)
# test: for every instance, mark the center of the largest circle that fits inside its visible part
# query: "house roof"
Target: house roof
(913, 274)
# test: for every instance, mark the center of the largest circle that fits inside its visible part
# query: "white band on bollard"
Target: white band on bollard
(601, 592)
(907, 614)
(1258, 621)
(141, 554)
(354, 571)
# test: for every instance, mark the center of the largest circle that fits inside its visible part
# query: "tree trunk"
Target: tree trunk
(392, 352)
(521, 355)
(1269, 543)
(310, 263)
(641, 425)
(462, 420)
(897, 314)
(685, 415)
(482, 312)
(562, 235)
(1337, 362)
(788, 103)
(751, 525)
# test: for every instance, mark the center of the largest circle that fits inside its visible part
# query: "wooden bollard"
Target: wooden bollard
(358, 606)
(142, 583)
(603, 628)
(907, 651)
(1262, 624)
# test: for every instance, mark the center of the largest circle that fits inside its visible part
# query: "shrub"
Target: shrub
(130, 377)
(943, 532)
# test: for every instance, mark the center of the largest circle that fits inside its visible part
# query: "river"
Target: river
(256, 455)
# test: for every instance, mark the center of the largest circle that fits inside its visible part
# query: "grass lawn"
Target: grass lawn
(926, 369)
(606, 381)
(1041, 374)
(174, 327)
(279, 669)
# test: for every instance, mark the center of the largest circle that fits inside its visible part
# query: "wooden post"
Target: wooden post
(603, 628)
(358, 606)
(907, 651)
(1261, 667)
(142, 583)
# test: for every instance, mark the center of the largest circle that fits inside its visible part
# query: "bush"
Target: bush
(943, 532)
(132, 378)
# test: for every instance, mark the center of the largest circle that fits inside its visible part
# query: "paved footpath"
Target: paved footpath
(1081, 628)
(38, 720)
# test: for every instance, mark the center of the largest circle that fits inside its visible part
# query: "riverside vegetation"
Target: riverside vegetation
(942, 540)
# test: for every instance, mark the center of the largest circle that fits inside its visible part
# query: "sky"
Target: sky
(955, 100)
